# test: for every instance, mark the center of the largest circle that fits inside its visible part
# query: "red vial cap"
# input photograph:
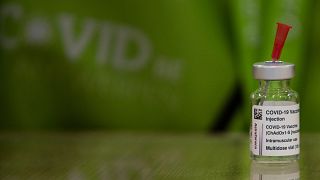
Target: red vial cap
(279, 41)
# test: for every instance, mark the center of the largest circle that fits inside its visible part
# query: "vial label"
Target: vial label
(275, 129)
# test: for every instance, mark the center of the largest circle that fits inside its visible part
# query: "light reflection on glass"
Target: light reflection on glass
(260, 171)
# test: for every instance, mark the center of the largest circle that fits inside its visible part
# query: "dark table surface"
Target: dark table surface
(125, 155)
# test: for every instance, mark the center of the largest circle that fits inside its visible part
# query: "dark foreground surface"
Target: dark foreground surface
(122, 156)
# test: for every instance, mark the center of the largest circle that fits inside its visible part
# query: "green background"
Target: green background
(196, 53)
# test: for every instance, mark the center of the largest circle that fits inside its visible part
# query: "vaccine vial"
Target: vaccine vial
(275, 126)
(275, 114)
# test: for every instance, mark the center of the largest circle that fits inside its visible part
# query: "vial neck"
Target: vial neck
(274, 84)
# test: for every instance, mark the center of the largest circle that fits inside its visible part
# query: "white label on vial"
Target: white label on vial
(275, 129)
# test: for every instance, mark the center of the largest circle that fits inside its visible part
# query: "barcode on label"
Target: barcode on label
(257, 114)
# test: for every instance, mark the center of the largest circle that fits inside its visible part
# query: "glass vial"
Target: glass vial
(275, 125)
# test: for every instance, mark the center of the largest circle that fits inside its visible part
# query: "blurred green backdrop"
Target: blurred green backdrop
(167, 65)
